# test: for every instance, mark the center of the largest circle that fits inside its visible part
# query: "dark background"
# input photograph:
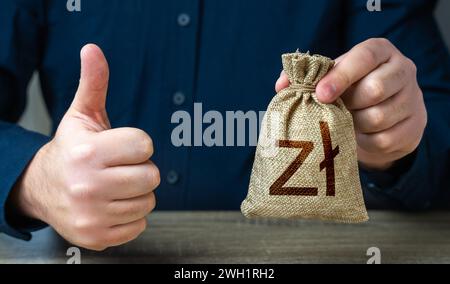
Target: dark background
(35, 117)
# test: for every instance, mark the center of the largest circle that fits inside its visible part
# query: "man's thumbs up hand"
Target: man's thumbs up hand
(90, 99)
(94, 185)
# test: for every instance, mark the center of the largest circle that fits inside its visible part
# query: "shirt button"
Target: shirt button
(178, 98)
(183, 20)
(372, 186)
(172, 177)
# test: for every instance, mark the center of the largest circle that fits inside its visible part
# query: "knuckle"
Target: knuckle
(126, 178)
(82, 225)
(411, 66)
(115, 240)
(375, 90)
(383, 142)
(379, 42)
(376, 118)
(401, 74)
(151, 204)
(119, 239)
(424, 119)
(82, 153)
(368, 55)
(125, 210)
(145, 142)
(88, 233)
(142, 225)
(370, 47)
(81, 191)
(109, 239)
(95, 244)
(413, 146)
(147, 205)
(98, 247)
(135, 232)
(154, 176)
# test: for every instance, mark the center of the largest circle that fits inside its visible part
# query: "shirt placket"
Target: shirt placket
(179, 91)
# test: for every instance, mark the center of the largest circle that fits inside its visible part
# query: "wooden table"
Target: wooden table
(229, 238)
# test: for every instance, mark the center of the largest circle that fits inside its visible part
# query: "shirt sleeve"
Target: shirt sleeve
(21, 25)
(418, 181)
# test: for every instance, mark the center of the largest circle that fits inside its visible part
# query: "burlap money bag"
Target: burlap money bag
(306, 163)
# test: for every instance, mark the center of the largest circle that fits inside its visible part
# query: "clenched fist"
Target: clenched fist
(378, 85)
(94, 185)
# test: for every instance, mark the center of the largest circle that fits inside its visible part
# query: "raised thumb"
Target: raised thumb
(90, 98)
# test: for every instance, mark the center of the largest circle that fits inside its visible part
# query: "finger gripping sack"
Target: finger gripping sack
(306, 163)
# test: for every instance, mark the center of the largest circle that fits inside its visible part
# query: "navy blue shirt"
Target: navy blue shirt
(166, 55)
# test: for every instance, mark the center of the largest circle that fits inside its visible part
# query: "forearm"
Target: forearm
(21, 202)
(17, 149)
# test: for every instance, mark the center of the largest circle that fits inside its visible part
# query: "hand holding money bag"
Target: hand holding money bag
(306, 163)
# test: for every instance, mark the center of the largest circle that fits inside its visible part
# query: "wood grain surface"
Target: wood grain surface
(229, 238)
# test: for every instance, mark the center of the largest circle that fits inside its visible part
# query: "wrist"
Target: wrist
(25, 197)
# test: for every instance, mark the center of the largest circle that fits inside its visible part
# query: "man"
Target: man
(93, 181)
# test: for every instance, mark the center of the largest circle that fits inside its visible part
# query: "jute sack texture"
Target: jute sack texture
(306, 163)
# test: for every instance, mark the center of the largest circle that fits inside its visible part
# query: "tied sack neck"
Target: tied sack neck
(305, 71)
